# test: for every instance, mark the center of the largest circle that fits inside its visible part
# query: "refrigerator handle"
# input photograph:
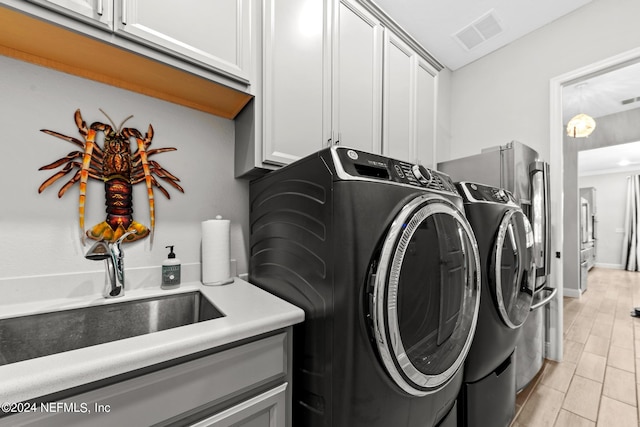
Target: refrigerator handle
(541, 168)
(551, 293)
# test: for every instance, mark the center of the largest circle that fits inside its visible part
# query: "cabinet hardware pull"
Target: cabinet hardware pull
(100, 7)
(124, 12)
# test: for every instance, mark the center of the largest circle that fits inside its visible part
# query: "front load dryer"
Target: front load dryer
(381, 258)
(506, 247)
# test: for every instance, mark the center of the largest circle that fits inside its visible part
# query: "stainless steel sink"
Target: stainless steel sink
(38, 335)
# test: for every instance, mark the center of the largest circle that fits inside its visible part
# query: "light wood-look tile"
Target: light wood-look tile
(592, 366)
(622, 358)
(622, 335)
(572, 351)
(602, 329)
(578, 333)
(599, 376)
(597, 345)
(616, 414)
(542, 407)
(569, 419)
(583, 397)
(558, 375)
(620, 385)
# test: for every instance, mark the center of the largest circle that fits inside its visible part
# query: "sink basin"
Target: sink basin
(37, 335)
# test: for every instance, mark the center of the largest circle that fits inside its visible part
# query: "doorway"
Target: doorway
(563, 177)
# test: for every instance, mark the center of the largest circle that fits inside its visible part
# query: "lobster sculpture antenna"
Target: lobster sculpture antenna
(119, 128)
(119, 169)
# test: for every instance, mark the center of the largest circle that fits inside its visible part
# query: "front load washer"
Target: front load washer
(506, 246)
(381, 258)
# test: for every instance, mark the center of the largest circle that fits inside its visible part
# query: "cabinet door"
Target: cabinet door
(425, 129)
(95, 12)
(295, 74)
(215, 34)
(399, 100)
(265, 410)
(357, 78)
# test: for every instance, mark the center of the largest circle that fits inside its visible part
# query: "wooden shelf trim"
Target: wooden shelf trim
(38, 42)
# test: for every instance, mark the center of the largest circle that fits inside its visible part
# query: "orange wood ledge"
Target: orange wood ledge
(28, 39)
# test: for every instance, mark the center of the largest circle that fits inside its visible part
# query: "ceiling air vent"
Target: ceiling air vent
(630, 100)
(479, 31)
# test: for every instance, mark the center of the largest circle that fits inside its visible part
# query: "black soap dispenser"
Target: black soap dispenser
(171, 270)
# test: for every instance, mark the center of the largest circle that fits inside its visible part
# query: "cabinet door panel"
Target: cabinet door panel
(213, 33)
(169, 393)
(357, 82)
(265, 410)
(95, 12)
(398, 99)
(425, 114)
(294, 79)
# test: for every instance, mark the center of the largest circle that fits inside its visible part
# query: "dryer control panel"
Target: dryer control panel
(362, 165)
(475, 192)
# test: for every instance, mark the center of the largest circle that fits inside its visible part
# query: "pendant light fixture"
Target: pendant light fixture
(581, 125)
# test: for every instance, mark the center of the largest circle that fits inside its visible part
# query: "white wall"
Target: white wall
(39, 232)
(611, 199)
(505, 95)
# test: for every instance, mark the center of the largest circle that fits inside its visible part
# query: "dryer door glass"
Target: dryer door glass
(513, 268)
(426, 294)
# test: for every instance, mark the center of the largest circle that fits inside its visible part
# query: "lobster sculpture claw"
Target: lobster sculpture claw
(119, 169)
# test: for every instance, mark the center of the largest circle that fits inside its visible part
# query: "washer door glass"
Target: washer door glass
(426, 293)
(514, 268)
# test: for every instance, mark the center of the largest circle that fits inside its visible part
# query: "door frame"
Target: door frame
(556, 165)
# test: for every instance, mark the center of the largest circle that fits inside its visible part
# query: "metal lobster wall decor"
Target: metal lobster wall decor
(118, 168)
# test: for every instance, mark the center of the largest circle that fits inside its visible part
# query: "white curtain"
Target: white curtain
(631, 243)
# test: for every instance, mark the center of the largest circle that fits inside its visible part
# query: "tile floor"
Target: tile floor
(597, 382)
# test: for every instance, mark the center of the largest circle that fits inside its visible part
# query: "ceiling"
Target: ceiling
(457, 32)
(612, 92)
(615, 158)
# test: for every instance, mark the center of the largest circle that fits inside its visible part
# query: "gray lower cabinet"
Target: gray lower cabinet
(264, 410)
(247, 385)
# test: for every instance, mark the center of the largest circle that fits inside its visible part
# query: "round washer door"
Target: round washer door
(514, 268)
(426, 294)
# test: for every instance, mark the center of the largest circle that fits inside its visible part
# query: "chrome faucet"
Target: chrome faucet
(113, 257)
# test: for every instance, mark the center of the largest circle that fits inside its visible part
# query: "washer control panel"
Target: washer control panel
(363, 165)
(476, 192)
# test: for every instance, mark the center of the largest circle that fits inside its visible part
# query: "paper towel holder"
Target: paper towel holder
(216, 263)
(219, 282)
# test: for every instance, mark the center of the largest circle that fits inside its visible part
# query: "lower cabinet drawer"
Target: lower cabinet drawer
(265, 410)
(167, 393)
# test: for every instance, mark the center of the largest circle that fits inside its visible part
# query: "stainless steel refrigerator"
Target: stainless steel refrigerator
(519, 169)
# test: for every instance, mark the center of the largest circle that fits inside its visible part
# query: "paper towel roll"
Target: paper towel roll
(215, 252)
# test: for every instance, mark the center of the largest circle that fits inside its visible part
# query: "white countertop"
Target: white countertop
(248, 310)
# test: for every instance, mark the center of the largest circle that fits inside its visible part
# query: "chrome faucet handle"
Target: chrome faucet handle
(124, 236)
(118, 260)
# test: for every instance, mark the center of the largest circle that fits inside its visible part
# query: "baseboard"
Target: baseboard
(571, 293)
(611, 266)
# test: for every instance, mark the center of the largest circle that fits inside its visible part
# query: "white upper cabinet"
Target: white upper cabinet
(335, 72)
(295, 78)
(398, 120)
(212, 33)
(357, 79)
(409, 104)
(95, 12)
(425, 125)
(208, 35)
